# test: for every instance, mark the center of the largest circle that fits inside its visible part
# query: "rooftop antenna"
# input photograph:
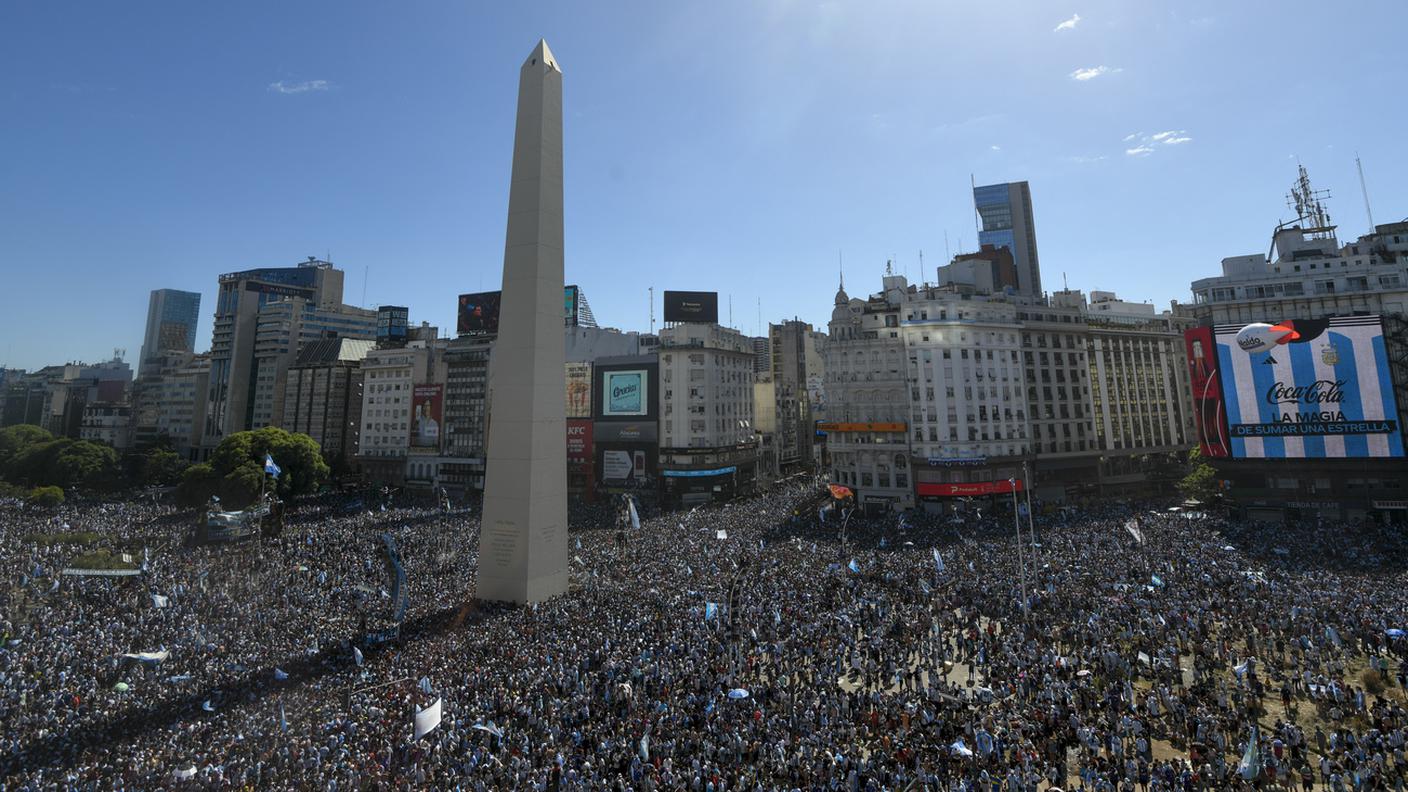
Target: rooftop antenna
(365, 269)
(1309, 204)
(921, 265)
(730, 310)
(1064, 285)
(1364, 189)
(841, 268)
(948, 256)
(759, 327)
(652, 310)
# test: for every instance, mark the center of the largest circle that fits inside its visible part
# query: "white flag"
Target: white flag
(159, 601)
(635, 518)
(357, 655)
(938, 560)
(427, 719)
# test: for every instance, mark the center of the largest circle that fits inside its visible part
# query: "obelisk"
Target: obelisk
(523, 539)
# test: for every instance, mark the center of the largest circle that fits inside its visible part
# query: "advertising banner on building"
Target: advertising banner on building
(623, 393)
(427, 404)
(1209, 419)
(616, 465)
(478, 313)
(579, 442)
(683, 306)
(579, 390)
(968, 489)
(1308, 389)
(569, 305)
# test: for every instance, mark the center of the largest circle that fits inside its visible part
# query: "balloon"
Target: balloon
(1261, 337)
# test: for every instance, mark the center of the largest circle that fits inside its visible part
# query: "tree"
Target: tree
(15, 440)
(46, 497)
(64, 463)
(198, 483)
(1201, 482)
(160, 467)
(297, 455)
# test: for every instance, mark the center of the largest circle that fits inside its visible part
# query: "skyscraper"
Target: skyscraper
(171, 327)
(523, 541)
(1005, 212)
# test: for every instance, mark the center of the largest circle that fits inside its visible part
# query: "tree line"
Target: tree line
(36, 465)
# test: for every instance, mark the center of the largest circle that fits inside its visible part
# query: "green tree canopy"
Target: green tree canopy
(64, 463)
(297, 455)
(47, 497)
(1201, 482)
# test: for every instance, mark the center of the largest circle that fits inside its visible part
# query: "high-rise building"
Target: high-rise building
(171, 327)
(284, 328)
(235, 373)
(708, 446)
(1006, 221)
(792, 349)
(169, 402)
(323, 396)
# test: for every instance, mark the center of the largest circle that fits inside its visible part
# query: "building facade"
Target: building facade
(708, 445)
(1006, 221)
(323, 397)
(171, 327)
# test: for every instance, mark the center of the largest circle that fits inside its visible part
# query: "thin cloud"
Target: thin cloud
(1083, 160)
(1139, 151)
(288, 87)
(1069, 24)
(995, 147)
(1132, 136)
(1085, 75)
(1172, 137)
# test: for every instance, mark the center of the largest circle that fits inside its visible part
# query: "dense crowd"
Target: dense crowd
(751, 646)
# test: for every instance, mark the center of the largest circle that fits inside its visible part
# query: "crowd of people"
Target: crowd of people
(780, 642)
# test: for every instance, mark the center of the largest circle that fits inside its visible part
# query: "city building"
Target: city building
(282, 330)
(168, 402)
(244, 368)
(793, 348)
(323, 396)
(1345, 305)
(708, 445)
(73, 387)
(991, 270)
(624, 444)
(1006, 221)
(402, 414)
(107, 422)
(171, 327)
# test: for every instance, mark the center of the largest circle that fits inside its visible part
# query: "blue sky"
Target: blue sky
(728, 146)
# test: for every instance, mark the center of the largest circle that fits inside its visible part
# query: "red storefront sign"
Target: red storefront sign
(579, 442)
(968, 489)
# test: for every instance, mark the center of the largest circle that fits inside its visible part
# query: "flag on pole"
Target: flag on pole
(853, 566)
(425, 685)
(938, 560)
(635, 518)
(645, 747)
(711, 611)
(839, 492)
(283, 722)
(426, 720)
(270, 467)
(158, 601)
(357, 656)
(1250, 766)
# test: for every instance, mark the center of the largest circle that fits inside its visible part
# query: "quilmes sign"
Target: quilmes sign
(623, 393)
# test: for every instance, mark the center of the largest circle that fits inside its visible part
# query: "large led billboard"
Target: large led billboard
(1308, 388)
(479, 313)
(624, 393)
(683, 306)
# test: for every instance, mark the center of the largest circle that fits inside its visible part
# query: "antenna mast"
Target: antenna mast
(1365, 189)
(652, 310)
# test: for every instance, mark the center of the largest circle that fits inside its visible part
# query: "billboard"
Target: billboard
(683, 306)
(427, 404)
(479, 313)
(579, 390)
(1308, 389)
(1209, 419)
(391, 322)
(579, 442)
(624, 393)
(968, 489)
(569, 305)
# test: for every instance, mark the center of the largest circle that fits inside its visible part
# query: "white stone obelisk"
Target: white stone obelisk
(523, 541)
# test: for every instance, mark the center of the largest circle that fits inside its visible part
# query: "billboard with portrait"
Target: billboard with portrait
(478, 313)
(624, 393)
(1308, 389)
(579, 390)
(427, 406)
(683, 306)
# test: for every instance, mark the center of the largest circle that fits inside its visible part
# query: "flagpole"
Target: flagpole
(1031, 525)
(1021, 562)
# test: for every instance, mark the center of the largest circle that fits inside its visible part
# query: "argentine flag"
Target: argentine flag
(711, 611)
(270, 467)
(853, 566)
(938, 559)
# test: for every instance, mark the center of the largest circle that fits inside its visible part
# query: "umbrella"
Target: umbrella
(738, 693)
(121, 687)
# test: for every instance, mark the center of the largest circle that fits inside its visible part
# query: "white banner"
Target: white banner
(427, 719)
